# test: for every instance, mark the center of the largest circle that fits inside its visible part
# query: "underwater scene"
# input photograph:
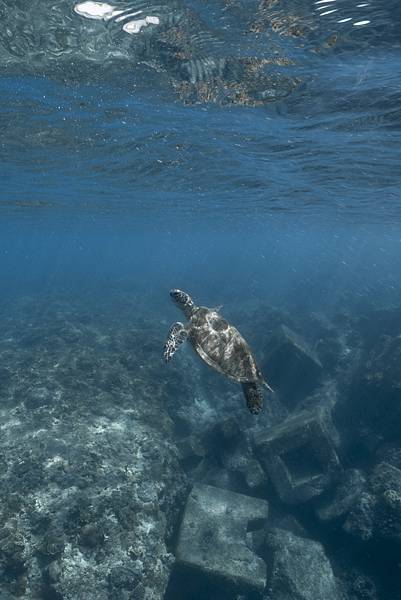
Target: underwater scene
(200, 262)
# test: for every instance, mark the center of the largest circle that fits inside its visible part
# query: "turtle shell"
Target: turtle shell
(222, 347)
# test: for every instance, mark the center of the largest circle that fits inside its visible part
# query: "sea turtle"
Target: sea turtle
(219, 344)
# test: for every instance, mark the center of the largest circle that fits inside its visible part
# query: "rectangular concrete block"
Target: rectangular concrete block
(299, 456)
(213, 537)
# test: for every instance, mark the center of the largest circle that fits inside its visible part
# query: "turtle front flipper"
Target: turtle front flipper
(253, 396)
(176, 336)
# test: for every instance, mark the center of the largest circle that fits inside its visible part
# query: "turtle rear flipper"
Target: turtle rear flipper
(176, 336)
(253, 396)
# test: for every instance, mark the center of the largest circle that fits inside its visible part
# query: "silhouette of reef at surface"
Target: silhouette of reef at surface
(233, 58)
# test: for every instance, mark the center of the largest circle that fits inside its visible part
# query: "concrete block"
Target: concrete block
(299, 456)
(214, 540)
(300, 569)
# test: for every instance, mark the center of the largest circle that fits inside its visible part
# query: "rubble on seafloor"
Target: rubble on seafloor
(125, 479)
(90, 485)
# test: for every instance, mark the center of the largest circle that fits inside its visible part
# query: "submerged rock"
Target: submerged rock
(362, 587)
(300, 569)
(192, 450)
(385, 483)
(360, 521)
(345, 497)
(299, 456)
(213, 536)
(376, 514)
(372, 403)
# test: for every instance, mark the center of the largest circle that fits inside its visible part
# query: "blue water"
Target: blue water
(126, 169)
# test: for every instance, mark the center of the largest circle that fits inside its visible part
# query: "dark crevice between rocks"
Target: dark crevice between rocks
(187, 584)
(302, 463)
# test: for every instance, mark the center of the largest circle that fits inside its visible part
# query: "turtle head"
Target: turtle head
(183, 301)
